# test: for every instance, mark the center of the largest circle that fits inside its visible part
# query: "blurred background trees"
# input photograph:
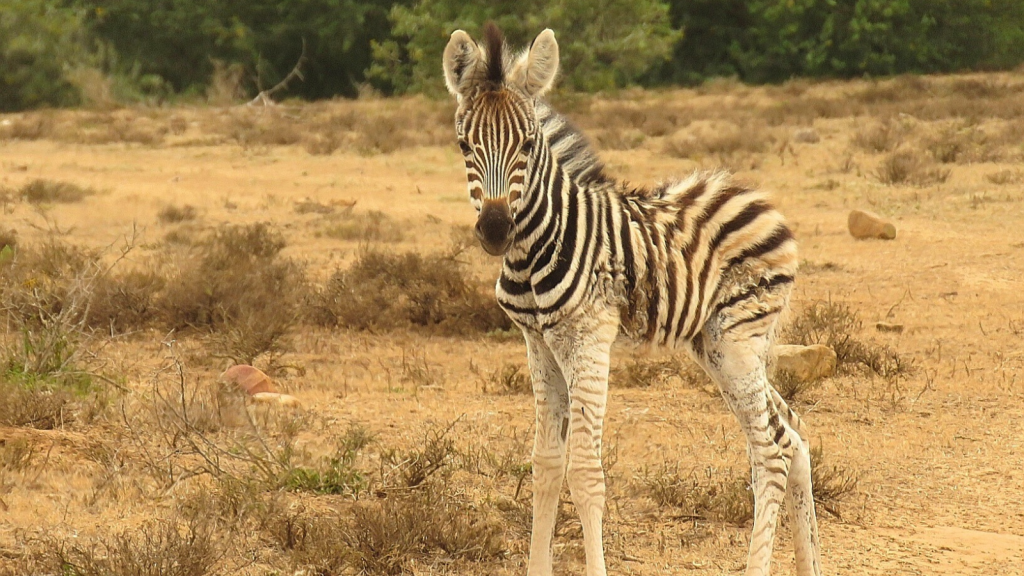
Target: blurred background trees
(54, 52)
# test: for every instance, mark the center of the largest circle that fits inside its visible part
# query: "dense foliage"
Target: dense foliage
(773, 40)
(50, 50)
(602, 43)
(39, 44)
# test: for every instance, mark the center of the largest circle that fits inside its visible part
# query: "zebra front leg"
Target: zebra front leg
(582, 351)
(551, 396)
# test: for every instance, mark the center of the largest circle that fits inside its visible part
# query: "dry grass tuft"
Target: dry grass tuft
(831, 483)
(177, 214)
(909, 167)
(883, 136)
(41, 191)
(387, 537)
(647, 372)
(45, 295)
(723, 142)
(386, 291)
(790, 388)
(705, 495)
(1004, 177)
(373, 226)
(510, 379)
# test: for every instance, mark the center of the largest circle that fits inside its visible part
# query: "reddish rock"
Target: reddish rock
(248, 379)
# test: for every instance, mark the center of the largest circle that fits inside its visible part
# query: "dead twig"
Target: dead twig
(264, 97)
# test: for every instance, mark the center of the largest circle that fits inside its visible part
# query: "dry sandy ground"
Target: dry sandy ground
(939, 453)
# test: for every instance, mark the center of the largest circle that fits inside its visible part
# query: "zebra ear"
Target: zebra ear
(535, 70)
(462, 56)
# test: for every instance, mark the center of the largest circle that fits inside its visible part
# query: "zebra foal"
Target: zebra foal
(700, 263)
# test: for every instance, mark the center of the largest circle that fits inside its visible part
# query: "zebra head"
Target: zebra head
(496, 123)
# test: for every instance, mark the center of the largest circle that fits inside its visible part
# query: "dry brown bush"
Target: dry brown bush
(251, 128)
(882, 136)
(902, 167)
(1000, 178)
(386, 537)
(707, 494)
(310, 206)
(372, 226)
(962, 144)
(29, 127)
(835, 325)
(124, 302)
(177, 125)
(41, 191)
(40, 407)
(322, 144)
(176, 214)
(237, 285)
(157, 548)
(386, 291)
(721, 141)
(8, 240)
(127, 126)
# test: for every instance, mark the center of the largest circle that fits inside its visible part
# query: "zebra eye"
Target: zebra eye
(527, 147)
(466, 150)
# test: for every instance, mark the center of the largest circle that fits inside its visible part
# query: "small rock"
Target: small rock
(248, 379)
(888, 327)
(863, 224)
(806, 363)
(807, 136)
(276, 398)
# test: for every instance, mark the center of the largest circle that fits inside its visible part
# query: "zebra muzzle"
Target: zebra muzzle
(494, 227)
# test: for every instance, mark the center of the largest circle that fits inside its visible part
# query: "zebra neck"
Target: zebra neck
(563, 168)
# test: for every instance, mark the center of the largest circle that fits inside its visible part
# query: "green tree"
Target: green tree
(40, 44)
(178, 40)
(773, 40)
(603, 43)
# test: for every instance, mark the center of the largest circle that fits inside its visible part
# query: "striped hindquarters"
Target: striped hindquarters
(706, 245)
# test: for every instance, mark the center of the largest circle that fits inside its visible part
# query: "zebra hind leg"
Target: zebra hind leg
(734, 353)
(799, 492)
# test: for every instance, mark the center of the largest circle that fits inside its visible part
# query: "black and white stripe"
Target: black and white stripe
(672, 256)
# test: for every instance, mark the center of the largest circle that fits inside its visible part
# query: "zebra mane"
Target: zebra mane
(570, 146)
(494, 42)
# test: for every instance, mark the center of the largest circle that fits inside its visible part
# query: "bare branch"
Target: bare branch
(264, 97)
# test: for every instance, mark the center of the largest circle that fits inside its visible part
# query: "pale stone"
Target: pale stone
(275, 398)
(864, 224)
(805, 363)
(888, 327)
(807, 136)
